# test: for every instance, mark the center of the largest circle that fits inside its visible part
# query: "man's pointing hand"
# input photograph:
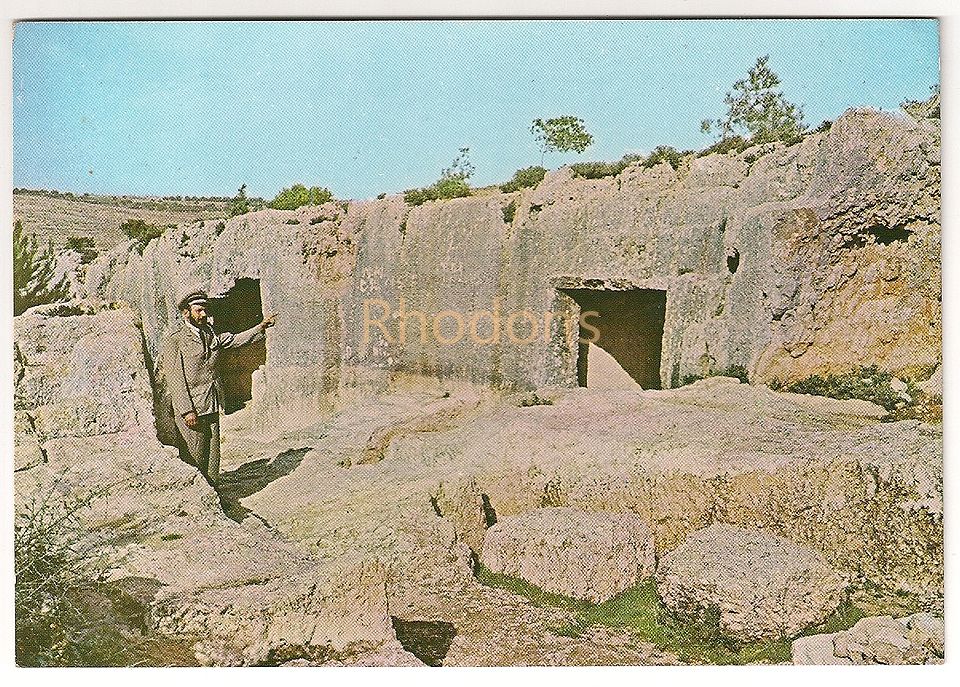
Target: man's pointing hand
(269, 321)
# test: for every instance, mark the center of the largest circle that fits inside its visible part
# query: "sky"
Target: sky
(369, 107)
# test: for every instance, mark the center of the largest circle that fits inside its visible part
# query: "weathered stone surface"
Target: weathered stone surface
(592, 556)
(879, 639)
(816, 650)
(763, 586)
(934, 385)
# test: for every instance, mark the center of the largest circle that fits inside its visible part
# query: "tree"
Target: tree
(33, 273)
(240, 204)
(758, 109)
(560, 134)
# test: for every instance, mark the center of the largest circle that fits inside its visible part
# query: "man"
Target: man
(190, 358)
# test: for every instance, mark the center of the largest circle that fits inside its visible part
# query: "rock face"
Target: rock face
(880, 639)
(242, 594)
(592, 556)
(763, 586)
(789, 261)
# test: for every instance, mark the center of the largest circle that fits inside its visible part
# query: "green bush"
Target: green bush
(726, 145)
(299, 195)
(823, 128)
(524, 178)
(665, 154)
(451, 184)
(240, 204)
(66, 612)
(451, 187)
(33, 273)
(49, 570)
(140, 230)
(599, 170)
(84, 246)
(864, 383)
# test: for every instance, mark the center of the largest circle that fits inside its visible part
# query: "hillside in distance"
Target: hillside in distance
(54, 216)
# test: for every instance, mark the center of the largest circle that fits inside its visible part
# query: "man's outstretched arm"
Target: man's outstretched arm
(255, 333)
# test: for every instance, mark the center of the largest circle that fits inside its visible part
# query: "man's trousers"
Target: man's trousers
(203, 444)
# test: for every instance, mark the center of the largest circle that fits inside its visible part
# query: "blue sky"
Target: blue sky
(364, 107)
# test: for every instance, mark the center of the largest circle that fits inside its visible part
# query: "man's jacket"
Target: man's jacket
(190, 359)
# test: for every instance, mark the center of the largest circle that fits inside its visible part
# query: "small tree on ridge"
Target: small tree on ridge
(560, 134)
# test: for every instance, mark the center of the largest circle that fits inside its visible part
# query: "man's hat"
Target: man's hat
(192, 297)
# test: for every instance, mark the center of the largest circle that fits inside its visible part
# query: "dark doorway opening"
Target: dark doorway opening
(628, 330)
(235, 312)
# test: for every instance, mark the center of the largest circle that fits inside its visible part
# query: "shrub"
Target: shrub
(381, 196)
(561, 134)
(864, 383)
(292, 221)
(50, 570)
(140, 230)
(823, 128)
(524, 178)
(665, 154)
(299, 195)
(451, 184)
(84, 246)
(33, 273)
(598, 170)
(726, 145)
(419, 196)
(240, 204)
(926, 109)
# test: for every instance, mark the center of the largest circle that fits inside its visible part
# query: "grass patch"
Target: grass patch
(639, 609)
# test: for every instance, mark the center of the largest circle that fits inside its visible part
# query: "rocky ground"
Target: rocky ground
(361, 533)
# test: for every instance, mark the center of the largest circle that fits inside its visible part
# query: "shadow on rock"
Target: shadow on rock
(251, 477)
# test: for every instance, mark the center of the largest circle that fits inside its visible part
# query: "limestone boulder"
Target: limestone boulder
(763, 586)
(585, 555)
(914, 639)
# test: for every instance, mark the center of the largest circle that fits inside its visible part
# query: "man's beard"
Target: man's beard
(198, 322)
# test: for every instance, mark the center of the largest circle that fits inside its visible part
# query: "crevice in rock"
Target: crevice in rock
(886, 235)
(733, 261)
(428, 640)
(489, 514)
